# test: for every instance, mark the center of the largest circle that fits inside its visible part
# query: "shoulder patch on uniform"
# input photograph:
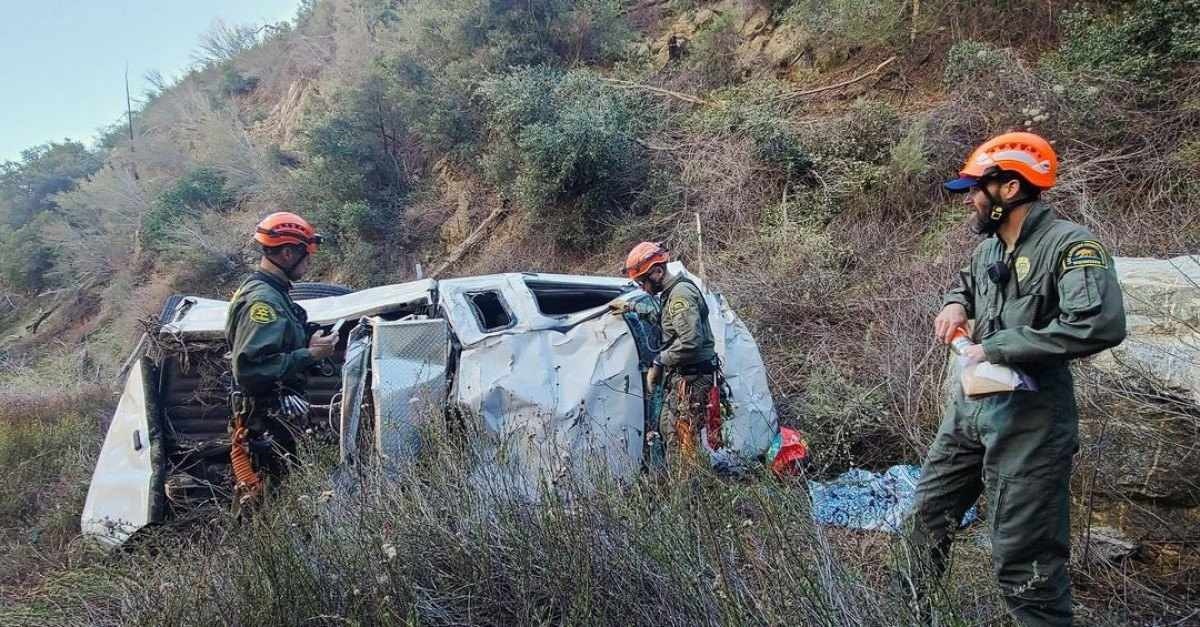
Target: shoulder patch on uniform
(677, 306)
(263, 313)
(1087, 254)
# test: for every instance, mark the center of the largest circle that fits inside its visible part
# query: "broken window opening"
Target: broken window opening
(490, 311)
(559, 299)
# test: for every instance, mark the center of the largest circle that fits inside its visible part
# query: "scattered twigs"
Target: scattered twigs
(846, 83)
(658, 90)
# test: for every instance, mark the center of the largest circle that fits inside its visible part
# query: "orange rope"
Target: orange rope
(247, 481)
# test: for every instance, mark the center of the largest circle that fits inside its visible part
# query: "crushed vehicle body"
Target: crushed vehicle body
(554, 381)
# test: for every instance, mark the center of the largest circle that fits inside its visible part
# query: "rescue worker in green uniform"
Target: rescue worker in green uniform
(1042, 292)
(687, 360)
(271, 350)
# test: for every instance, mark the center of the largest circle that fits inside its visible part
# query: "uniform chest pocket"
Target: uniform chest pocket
(1021, 311)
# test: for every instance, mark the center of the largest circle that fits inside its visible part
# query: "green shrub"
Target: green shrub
(234, 83)
(764, 121)
(566, 147)
(26, 261)
(712, 53)
(495, 35)
(848, 23)
(1142, 41)
(199, 191)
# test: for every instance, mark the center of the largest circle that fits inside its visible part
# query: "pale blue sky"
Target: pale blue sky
(62, 62)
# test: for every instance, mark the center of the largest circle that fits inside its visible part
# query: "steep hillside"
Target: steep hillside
(809, 136)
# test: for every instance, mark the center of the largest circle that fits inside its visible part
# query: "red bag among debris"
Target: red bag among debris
(793, 453)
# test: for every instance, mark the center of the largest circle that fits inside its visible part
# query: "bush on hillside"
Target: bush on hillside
(26, 260)
(234, 83)
(711, 60)
(198, 192)
(566, 147)
(497, 35)
(1143, 41)
(846, 23)
(760, 117)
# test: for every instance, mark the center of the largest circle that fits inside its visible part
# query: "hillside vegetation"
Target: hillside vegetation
(809, 136)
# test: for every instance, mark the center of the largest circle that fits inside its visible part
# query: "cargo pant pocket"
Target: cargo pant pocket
(1031, 537)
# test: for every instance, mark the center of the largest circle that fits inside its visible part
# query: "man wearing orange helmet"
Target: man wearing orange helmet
(688, 358)
(271, 348)
(1042, 291)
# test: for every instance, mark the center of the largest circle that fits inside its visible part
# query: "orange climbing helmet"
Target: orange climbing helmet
(283, 228)
(643, 257)
(1026, 154)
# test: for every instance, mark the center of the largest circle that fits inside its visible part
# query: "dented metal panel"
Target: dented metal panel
(354, 389)
(556, 404)
(408, 377)
(121, 496)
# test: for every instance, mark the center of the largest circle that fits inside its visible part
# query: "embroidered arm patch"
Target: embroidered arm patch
(1090, 254)
(677, 306)
(262, 313)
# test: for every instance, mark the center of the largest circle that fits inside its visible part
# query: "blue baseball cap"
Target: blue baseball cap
(961, 184)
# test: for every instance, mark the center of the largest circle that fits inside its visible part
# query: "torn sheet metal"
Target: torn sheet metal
(205, 317)
(354, 389)
(519, 301)
(408, 377)
(121, 496)
(556, 404)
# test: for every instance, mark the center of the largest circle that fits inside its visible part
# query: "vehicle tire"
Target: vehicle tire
(311, 290)
(168, 308)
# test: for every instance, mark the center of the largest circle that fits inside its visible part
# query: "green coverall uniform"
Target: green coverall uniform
(1061, 302)
(268, 338)
(689, 358)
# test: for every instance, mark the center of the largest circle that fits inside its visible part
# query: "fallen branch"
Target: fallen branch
(658, 90)
(474, 238)
(33, 327)
(845, 83)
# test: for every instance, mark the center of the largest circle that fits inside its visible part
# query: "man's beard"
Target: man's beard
(981, 223)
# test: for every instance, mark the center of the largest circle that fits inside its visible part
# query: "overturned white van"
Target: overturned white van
(533, 357)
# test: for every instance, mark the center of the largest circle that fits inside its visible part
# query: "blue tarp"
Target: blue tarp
(860, 499)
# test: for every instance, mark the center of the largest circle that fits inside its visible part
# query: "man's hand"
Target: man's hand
(951, 317)
(322, 344)
(654, 376)
(619, 307)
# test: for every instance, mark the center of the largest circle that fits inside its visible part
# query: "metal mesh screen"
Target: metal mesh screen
(408, 361)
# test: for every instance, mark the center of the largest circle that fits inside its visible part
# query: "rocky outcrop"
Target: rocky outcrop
(1162, 309)
(766, 44)
(1141, 418)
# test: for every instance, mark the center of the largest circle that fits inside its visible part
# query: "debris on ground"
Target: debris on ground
(861, 499)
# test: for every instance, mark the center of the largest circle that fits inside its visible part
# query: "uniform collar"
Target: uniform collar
(670, 285)
(272, 280)
(1040, 215)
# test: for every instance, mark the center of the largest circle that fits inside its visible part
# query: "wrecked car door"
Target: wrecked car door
(124, 490)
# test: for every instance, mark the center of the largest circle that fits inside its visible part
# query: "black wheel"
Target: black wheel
(168, 310)
(311, 290)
